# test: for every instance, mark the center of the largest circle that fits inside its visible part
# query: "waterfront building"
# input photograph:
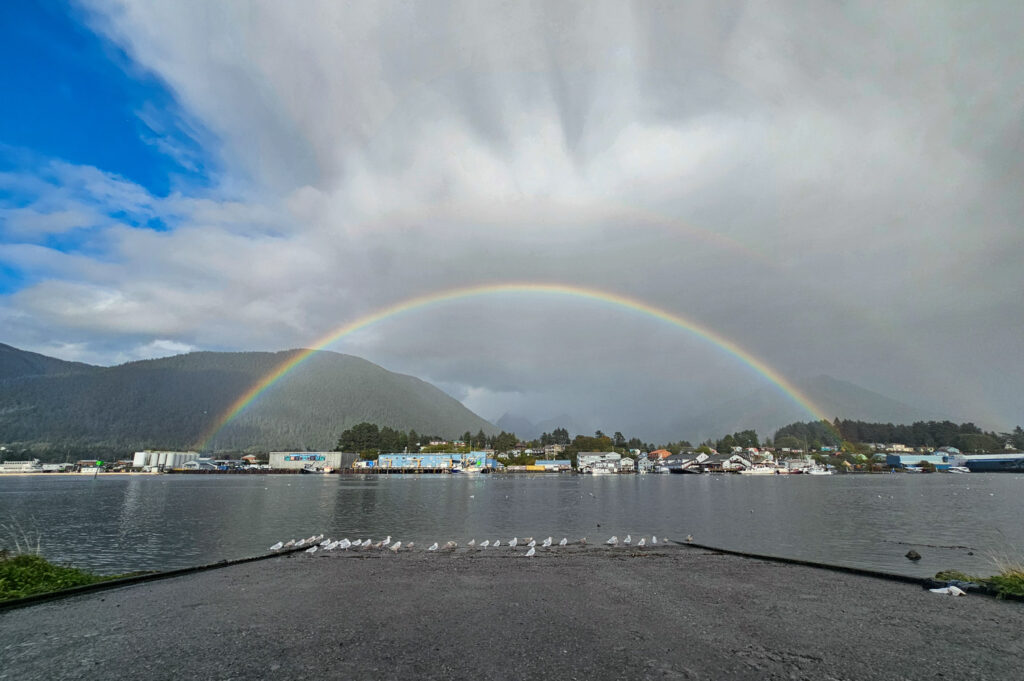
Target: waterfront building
(161, 460)
(31, 466)
(940, 461)
(598, 460)
(300, 460)
(554, 465)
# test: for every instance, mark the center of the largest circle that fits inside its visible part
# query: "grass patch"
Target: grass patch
(1009, 581)
(27, 575)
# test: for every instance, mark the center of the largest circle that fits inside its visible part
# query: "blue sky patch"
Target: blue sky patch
(72, 95)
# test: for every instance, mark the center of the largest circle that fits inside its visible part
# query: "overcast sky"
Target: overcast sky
(835, 188)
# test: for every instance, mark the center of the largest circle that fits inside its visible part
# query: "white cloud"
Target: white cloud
(797, 180)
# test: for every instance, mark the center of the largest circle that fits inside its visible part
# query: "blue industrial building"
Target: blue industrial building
(940, 461)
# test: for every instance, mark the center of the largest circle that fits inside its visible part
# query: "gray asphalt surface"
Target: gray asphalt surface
(588, 613)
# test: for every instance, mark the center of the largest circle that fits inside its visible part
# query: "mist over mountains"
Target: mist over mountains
(766, 410)
(47, 404)
(172, 402)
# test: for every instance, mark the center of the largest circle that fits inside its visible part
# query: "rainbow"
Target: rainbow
(577, 292)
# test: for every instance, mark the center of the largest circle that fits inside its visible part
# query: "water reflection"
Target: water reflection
(119, 523)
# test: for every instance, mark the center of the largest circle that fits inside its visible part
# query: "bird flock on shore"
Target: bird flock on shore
(318, 543)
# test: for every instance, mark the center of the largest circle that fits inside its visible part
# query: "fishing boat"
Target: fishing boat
(818, 470)
(759, 470)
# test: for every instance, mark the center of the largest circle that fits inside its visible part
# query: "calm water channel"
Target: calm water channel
(121, 523)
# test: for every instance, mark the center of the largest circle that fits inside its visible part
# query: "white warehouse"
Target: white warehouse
(162, 460)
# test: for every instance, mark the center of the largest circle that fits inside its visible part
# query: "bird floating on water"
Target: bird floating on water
(394, 547)
(628, 540)
(642, 542)
(531, 552)
(613, 541)
(485, 543)
(563, 542)
(277, 547)
(432, 547)
(546, 542)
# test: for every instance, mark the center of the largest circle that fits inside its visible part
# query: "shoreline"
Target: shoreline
(666, 612)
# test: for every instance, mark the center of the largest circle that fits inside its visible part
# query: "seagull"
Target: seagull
(291, 543)
(325, 542)
(366, 543)
(613, 541)
(277, 547)
(689, 538)
(450, 546)
(432, 547)
(394, 547)
(642, 542)
(497, 543)
(546, 542)
(485, 543)
(563, 542)
(531, 552)
(409, 546)
(532, 544)
(311, 549)
(654, 539)
(301, 542)
(472, 542)
(345, 543)
(628, 540)
(583, 540)
(379, 544)
(384, 543)
(514, 542)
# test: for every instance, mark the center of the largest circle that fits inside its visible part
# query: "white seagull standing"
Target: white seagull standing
(613, 541)
(546, 543)
(394, 547)
(642, 542)
(514, 542)
(485, 543)
(277, 547)
(531, 552)
(654, 539)
(472, 542)
(432, 547)
(628, 540)
(532, 544)
(344, 543)
(311, 549)
(563, 542)
(497, 543)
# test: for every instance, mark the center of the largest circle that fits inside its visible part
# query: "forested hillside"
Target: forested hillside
(172, 402)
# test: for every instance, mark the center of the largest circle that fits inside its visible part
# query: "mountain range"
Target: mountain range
(48, 404)
(51, 405)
